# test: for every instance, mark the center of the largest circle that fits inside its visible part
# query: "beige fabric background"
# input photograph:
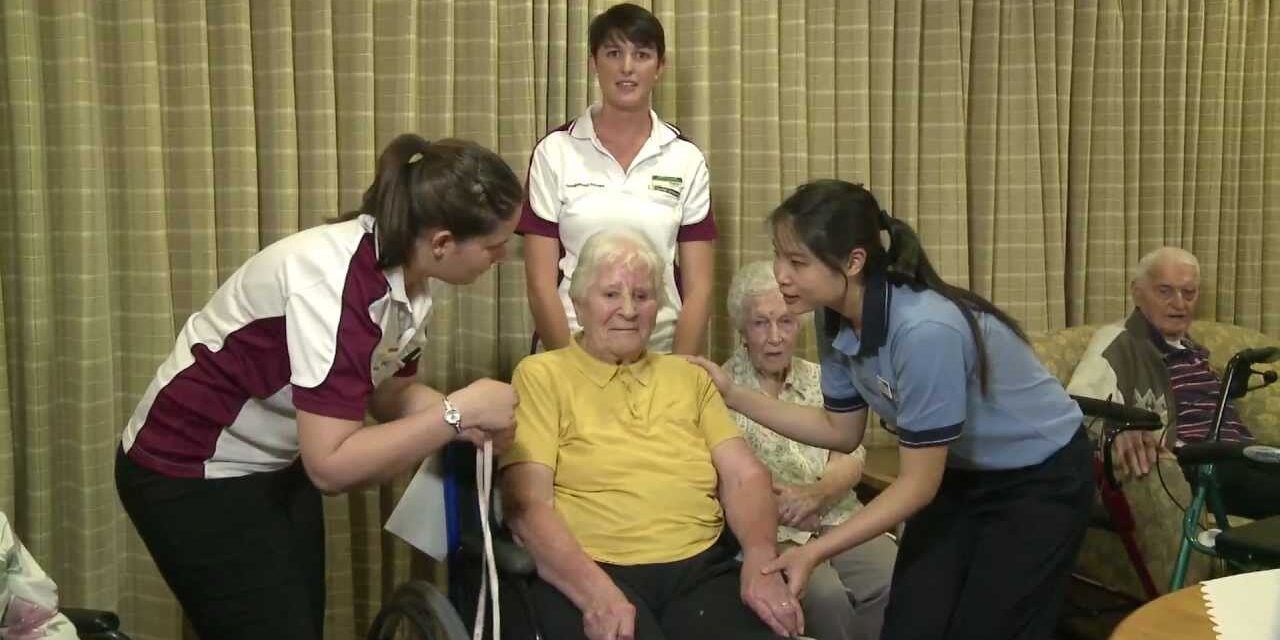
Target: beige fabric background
(148, 147)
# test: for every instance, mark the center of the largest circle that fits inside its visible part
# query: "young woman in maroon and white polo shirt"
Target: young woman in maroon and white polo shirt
(261, 405)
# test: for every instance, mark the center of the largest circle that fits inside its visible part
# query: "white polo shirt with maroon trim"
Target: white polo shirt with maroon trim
(309, 323)
(576, 188)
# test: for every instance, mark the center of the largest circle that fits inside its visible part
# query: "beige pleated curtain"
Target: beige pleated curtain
(148, 147)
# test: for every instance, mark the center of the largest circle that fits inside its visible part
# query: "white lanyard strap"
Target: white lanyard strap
(488, 568)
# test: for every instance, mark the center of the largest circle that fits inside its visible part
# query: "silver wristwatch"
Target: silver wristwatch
(452, 416)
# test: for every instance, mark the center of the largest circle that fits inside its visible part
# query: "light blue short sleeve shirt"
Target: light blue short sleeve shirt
(916, 365)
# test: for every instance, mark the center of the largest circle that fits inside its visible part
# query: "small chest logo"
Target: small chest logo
(670, 185)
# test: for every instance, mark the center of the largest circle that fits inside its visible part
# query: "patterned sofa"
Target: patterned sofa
(1159, 519)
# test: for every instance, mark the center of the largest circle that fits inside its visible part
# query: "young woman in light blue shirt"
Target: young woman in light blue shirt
(995, 472)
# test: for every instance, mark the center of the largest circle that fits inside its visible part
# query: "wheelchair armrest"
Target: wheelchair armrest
(88, 621)
(511, 558)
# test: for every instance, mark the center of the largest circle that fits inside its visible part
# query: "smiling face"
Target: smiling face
(618, 311)
(770, 331)
(1167, 296)
(627, 73)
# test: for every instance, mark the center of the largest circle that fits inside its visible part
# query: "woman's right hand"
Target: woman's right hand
(721, 379)
(488, 409)
(610, 617)
(796, 565)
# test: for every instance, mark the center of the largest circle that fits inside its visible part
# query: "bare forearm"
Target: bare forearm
(691, 326)
(557, 555)
(841, 475)
(899, 501)
(378, 453)
(549, 318)
(415, 397)
(542, 275)
(751, 512)
(809, 425)
(697, 273)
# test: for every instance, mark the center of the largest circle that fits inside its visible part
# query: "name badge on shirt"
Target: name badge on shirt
(885, 389)
(669, 185)
(398, 346)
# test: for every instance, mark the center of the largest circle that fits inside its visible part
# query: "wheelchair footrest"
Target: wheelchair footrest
(1256, 543)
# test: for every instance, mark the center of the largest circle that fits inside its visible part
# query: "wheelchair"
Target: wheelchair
(418, 610)
(1251, 546)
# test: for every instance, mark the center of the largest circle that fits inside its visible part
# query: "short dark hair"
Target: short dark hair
(629, 22)
(450, 184)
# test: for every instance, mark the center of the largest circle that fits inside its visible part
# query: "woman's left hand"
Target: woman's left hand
(798, 503)
(796, 565)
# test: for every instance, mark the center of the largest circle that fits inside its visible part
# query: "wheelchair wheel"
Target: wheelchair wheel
(417, 611)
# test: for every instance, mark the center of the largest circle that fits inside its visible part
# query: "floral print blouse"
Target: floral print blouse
(789, 461)
(28, 598)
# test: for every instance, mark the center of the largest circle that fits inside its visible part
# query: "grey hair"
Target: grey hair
(1164, 255)
(753, 279)
(622, 246)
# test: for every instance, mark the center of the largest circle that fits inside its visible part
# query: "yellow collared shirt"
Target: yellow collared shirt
(630, 446)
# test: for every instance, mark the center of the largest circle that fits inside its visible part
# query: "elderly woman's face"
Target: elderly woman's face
(770, 332)
(618, 312)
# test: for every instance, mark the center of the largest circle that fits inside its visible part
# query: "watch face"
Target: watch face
(453, 416)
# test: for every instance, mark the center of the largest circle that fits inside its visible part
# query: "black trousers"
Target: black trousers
(690, 599)
(991, 556)
(244, 556)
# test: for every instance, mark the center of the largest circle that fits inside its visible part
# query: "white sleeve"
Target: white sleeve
(544, 184)
(697, 197)
(331, 340)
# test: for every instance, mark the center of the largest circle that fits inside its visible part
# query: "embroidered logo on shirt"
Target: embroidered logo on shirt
(669, 185)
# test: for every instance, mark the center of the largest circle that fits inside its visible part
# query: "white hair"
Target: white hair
(1163, 256)
(753, 279)
(623, 247)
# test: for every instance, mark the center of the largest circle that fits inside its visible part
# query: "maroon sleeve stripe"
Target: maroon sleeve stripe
(704, 229)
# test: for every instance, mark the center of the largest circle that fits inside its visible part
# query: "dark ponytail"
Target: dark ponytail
(449, 184)
(833, 217)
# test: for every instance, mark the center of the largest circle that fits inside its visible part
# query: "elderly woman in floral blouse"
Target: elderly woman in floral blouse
(846, 596)
(28, 598)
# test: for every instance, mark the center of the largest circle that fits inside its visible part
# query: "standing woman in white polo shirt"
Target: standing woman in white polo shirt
(263, 399)
(994, 478)
(618, 164)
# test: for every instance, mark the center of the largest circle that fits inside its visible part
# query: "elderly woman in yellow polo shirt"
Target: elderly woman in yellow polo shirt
(626, 468)
(846, 595)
